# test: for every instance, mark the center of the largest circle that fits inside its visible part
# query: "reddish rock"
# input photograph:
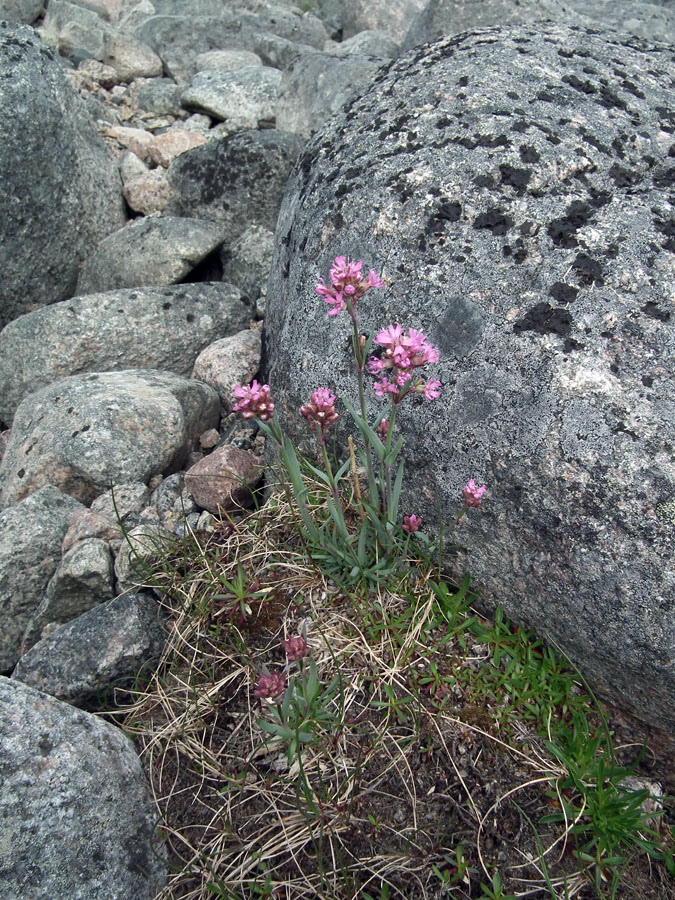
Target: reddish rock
(224, 479)
(170, 144)
(229, 361)
(147, 193)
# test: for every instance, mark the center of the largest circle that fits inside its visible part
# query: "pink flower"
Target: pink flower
(431, 389)
(347, 284)
(411, 524)
(295, 648)
(403, 352)
(382, 429)
(254, 401)
(269, 687)
(472, 494)
(320, 410)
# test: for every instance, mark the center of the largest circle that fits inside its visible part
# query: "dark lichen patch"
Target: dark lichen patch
(665, 177)
(598, 198)
(485, 181)
(588, 269)
(647, 381)
(653, 310)
(594, 142)
(584, 87)
(521, 125)
(624, 178)
(571, 345)
(449, 211)
(494, 220)
(667, 228)
(515, 177)
(545, 319)
(563, 231)
(463, 81)
(528, 154)
(484, 140)
(563, 293)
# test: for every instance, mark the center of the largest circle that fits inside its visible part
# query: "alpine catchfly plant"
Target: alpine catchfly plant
(360, 533)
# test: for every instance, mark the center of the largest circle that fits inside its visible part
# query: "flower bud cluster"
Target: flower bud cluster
(472, 494)
(254, 401)
(269, 687)
(320, 411)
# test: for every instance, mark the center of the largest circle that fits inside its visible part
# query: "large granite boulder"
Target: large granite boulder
(60, 190)
(20, 11)
(443, 18)
(86, 432)
(512, 188)
(158, 328)
(76, 816)
(31, 534)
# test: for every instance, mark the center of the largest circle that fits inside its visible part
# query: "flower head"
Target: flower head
(347, 284)
(320, 411)
(472, 494)
(411, 524)
(403, 351)
(254, 401)
(295, 648)
(269, 687)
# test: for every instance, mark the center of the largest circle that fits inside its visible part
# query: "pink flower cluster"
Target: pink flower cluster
(296, 648)
(347, 284)
(254, 401)
(403, 352)
(269, 687)
(472, 494)
(320, 411)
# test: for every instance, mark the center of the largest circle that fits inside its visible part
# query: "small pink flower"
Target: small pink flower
(254, 401)
(295, 648)
(431, 389)
(411, 524)
(269, 687)
(472, 494)
(347, 284)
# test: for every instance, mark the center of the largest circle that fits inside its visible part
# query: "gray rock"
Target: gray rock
(158, 328)
(316, 87)
(375, 44)
(247, 96)
(179, 39)
(330, 13)
(76, 816)
(391, 16)
(442, 18)
(84, 433)
(167, 493)
(230, 361)
(131, 58)
(142, 546)
(69, 27)
(20, 11)
(56, 178)
(30, 550)
(83, 578)
(156, 95)
(131, 167)
(153, 251)
(511, 186)
(246, 263)
(122, 500)
(236, 182)
(101, 649)
(226, 59)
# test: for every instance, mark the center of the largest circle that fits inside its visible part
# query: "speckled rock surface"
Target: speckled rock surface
(161, 328)
(20, 11)
(87, 432)
(60, 191)
(76, 816)
(443, 18)
(246, 97)
(224, 479)
(80, 661)
(236, 182)
(390, 16)
(246, 263)
(83, 578)
(30, 550)
(153, 251)
(227, 362)
(514, 188)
